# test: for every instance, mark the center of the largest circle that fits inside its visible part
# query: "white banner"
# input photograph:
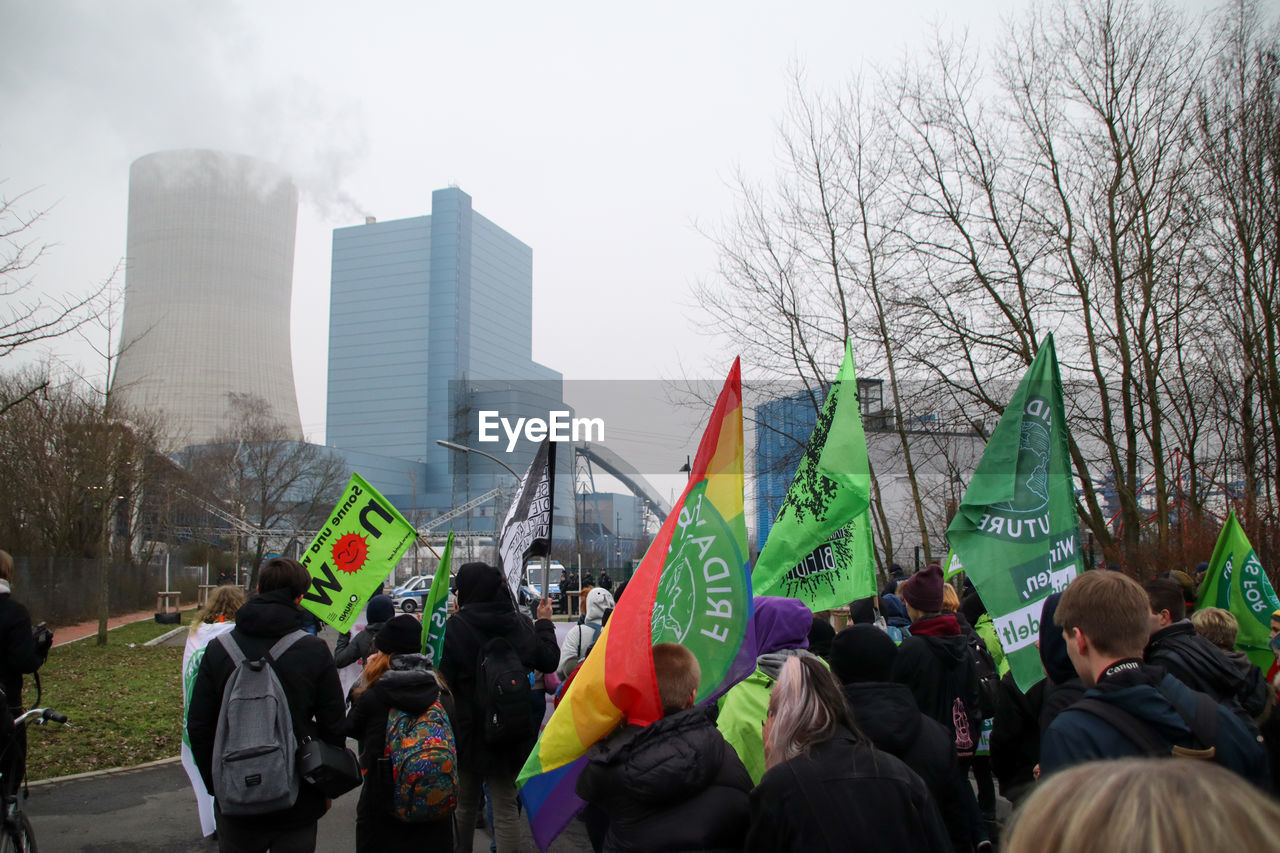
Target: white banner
(191, 657)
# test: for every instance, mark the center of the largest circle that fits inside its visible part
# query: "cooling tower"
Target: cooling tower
(208, 282)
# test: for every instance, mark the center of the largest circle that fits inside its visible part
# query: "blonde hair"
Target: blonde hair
(1216, 625)
(950, 599)
(221, 606)
(1141, 804)
(374, 668)
(805, 708)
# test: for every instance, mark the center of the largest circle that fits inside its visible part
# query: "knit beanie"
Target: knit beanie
(862, 653)
(820, 635)
(380, 609)
(401, 635)
(923, 590)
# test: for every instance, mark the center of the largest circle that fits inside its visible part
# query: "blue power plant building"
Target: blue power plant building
(430, 322)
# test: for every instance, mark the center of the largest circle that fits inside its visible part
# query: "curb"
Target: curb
(110, 771)
(158, 640)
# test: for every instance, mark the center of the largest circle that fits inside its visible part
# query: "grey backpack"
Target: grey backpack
(254, 768)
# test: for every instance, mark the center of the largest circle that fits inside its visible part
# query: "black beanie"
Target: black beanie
(400, 636)
(862, 653)
(820, 636)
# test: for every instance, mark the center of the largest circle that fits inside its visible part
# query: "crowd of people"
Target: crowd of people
(1148, 731)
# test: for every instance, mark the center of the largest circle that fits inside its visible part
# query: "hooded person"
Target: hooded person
(582, 638)
(1022, 717)
(350, 649)
(862, 660)
(936, 666)
(487, 611)
(781, 628)
(398, 677)
(820, 636)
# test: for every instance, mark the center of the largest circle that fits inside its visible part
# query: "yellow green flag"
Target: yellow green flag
(1237, 582)
(435, 609)
(355, 551)
(820, 549)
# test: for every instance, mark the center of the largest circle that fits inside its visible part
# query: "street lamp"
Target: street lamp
(462, 448)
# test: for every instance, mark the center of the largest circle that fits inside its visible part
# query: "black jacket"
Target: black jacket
(350, 649)
(934, 663)
(19, 653)
(673, 785)
(1015, 736)
(409, 686)
(1058, 697)
(1202, 666)
(844, 795)
(311, 686)
(465, 634)
(887, 714)
(1148, 694)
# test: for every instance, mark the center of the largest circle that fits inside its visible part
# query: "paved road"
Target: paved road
(152, 810)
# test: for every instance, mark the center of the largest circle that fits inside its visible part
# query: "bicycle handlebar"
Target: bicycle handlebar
(40, 716)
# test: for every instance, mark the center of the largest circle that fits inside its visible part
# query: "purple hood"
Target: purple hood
(781, 623)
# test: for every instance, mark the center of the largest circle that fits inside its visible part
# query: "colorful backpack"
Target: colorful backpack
(424, 764)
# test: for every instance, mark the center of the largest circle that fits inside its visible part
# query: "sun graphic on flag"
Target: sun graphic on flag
(350, 552)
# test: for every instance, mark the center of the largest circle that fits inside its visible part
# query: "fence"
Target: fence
(64, 590)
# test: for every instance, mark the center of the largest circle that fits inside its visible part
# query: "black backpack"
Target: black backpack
(504, 694)
(1202, 720)
(984, 667)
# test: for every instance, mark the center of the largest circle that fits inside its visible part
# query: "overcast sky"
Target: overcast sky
(599, 135)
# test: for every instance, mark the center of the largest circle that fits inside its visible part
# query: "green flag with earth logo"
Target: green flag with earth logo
(1236, 581)
(819, 549)
(1016, 533)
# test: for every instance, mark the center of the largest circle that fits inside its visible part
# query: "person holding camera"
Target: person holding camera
(22, 650)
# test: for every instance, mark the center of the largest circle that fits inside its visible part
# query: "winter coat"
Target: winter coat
(743, 709)
(673, 785)
(844, 795)
(887, 714)
(582, 637)
(987, 631)
(465, 634)
(1058, 698)
(1202, 666)
(1148, 694)
(409, 686)
(350, 649)
(311, 687)
(1015, 736)
(19, 653)
(934, 663)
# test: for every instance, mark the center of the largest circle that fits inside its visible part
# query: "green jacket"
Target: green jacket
(744, 708)
(987, 631)
(741, 721)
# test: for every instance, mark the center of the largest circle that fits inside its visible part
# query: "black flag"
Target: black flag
(526, 532)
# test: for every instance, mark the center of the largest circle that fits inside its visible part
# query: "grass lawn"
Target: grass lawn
(124, 704)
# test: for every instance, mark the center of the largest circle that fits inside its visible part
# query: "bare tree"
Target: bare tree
(275, 485)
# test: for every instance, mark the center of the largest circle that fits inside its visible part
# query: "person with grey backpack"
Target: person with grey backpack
(261, 690)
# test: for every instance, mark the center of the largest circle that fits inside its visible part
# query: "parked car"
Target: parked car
(412, 594)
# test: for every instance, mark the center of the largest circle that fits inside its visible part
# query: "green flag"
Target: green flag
(1236, 581)
(820, 550)
(435, 610)
(354, 552)
(1016, 533)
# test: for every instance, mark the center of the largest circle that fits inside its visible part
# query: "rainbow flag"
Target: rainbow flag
(692, 587)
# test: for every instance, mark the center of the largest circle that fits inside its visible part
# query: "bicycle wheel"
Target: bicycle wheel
(18, 837)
